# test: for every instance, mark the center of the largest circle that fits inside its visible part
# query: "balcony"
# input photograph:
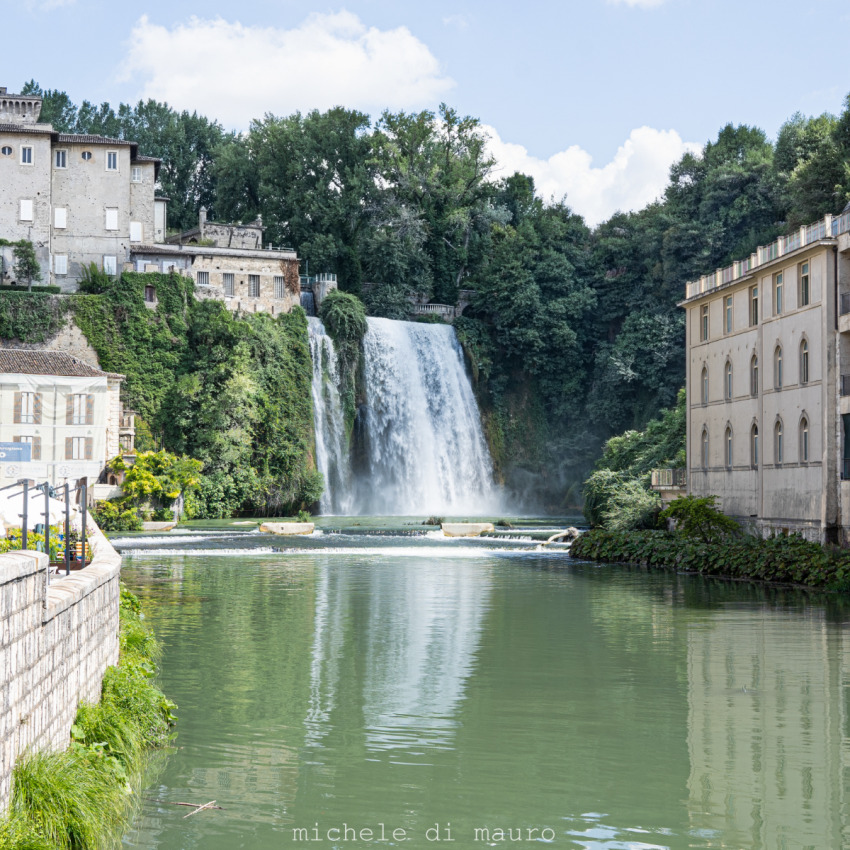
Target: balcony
(669, 479)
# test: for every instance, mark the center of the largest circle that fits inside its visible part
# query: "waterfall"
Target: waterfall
(332, 455)
(308, 302)
(421, 448)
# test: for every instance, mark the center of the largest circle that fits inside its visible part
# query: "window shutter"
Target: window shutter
(36, 448)
(89, 409)
(16, 439)
(69, 448)
(37, 409)
(18, 407)
(69, 409)
(89, 447)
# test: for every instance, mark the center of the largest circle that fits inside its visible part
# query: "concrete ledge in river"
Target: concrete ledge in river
(466, 529)
(56, 644)
(288, 527)
(158, 526)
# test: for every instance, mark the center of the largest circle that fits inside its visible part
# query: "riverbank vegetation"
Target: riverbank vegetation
(80, 798)
(786, 560)
(573, 333)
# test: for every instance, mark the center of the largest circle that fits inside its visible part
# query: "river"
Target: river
(426, 692)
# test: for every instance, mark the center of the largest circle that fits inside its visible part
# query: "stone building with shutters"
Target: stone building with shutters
(67, 410)
(79, 199)
(768, 384)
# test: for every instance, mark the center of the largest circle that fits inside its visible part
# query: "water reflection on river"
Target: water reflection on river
(439, 688)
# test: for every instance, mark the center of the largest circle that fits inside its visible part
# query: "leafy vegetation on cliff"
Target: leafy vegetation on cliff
(231, 391)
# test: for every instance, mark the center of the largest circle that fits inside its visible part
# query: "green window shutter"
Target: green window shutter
(89, 447)
(36, 448)
(90, 409)
(37, 409)
(69, 409)
(18, 405)
(69, 448)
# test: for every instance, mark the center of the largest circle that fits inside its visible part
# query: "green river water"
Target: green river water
(427, 690)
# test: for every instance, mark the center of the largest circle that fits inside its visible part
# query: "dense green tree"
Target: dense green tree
(56, 107)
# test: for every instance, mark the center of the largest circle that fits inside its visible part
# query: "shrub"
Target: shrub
(632, 506)
(344, 318)
(116, 515)
(698, 517)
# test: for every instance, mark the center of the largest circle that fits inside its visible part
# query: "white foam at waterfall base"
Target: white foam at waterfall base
(424, 447)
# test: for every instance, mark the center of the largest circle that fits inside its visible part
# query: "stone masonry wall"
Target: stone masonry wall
(55, 645)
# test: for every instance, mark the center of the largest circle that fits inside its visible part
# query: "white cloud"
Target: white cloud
(635, 177)
(235, 73)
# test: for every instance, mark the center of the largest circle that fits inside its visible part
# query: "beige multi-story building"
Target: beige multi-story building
(78, 199)
(83, 199)
(768, 418)
(67, 410)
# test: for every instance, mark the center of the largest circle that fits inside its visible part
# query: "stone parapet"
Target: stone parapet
(56, 642)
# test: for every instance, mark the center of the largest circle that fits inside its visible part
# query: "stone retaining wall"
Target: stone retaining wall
(55, 644)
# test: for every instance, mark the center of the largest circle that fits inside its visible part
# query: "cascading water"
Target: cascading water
(332, 455)
(422, 445)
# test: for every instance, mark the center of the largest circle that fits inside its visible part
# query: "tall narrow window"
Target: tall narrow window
(110, 264)
(79, 409)
(728, 381)
(729, 446)
(254, 285)
(111, 218)
(112, 160)
(804, 440)
(704, 385)
(728, 313)
(35, 442)
(78, 448)
(135, 231)
(279, 290)
(26, 155)
(804, 362)
(228, 283)
(136, 174)
(777, 443)
(778, 296)
(60, 217)
(704, 449)
(754, 446)
(754, 305)
(203, 278)
(25, 209)
(27, 409)
(754, 375)
(703, 326)
(60, 264)
(805, 290)
(61, 160)
(777, 368)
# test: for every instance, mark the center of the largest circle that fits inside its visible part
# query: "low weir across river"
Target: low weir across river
(419, 443)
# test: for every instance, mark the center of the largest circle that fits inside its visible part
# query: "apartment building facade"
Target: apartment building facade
(79, 199)
(768, 422)
(68, 411)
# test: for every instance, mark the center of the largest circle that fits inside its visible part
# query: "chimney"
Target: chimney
(202, 219)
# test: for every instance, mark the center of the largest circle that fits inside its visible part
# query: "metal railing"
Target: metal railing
(23, 488)
(829, 226)
(668, 479)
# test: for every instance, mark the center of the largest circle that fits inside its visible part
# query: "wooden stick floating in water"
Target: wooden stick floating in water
(190, 805)
(209, 805)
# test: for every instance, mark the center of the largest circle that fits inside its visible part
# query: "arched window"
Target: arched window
(754, 445)
(728, 446)
(804, 440)
(754, 375)
(704, 384)
(704, 448)
(778, 447)
(727, 384)
(777, 368)
(804, 362)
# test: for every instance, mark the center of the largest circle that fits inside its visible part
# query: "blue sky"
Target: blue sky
(594, 98)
